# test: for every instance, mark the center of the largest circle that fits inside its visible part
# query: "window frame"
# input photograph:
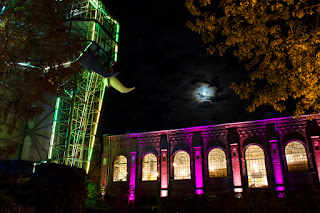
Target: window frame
(142, 166)
(113, 169)
(175, 166)
(260, 165)
(226, 163)
(306, 155)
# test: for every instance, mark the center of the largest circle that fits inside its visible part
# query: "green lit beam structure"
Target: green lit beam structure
(77, 113)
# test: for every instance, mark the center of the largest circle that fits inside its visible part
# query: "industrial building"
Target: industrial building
(277, 154)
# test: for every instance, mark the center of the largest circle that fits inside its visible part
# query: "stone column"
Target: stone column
(236, 168)
(198, 170)
(276, 164)
(132, 180)
(164, 165)
(315, 145)
(104, 170)
(164, 174)
(105, 173)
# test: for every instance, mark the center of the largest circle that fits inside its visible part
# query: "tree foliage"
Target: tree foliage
(277, 40)
(34, 32)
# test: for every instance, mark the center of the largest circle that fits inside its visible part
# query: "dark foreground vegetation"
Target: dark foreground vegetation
(259, 201)
(52, 188)
(58, 188)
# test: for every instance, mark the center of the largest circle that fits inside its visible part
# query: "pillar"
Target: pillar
(105, 165)
(26, 148)
(198, 170)
(104, 173)
(236, 168)
(27, 141)
(132, 180)
(164, 173)
(276, 164)
(315, 145)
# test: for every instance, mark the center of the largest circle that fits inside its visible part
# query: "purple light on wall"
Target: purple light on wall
(164, 173)
(199, 191)
(315, 144)
(281, 194)
(198, 170)
(280, 188)
(206, 128)
(235, 166)
(277, 169)
(132, 182)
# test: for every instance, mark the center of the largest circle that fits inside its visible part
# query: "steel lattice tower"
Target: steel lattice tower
(77, 113)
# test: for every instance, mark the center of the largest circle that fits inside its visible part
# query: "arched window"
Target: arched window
(217, 163)
(256, 167)
(296, 157)
(149, 167)
(120, 169)
(181, 166)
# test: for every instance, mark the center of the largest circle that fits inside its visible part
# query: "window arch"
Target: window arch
(217, 163)
(296, 157)
(120, 169)
(181, 166)
(256, 167)
(149, 167)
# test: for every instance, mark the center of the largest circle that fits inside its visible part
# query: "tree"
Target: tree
(34, 33)
(278, 41)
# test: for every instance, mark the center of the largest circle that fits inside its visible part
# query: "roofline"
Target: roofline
(215, 125)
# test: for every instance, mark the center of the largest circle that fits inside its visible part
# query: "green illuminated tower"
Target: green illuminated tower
(77, 113)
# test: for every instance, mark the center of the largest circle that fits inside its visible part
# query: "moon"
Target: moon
(204, 92)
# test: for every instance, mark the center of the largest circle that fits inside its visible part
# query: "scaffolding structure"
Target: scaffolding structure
(77, 112)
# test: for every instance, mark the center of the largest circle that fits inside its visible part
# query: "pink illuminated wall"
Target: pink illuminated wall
(315, 144)
(190, 137)
(164, 173)
(236, 166)
(198, 170)
(132, 180)
(277, 169)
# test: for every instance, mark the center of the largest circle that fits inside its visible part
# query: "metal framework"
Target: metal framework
(77, 113)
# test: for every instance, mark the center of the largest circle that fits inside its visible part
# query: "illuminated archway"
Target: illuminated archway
(149, 167)
(217, 163)
(256, 167)
(296, 157)
(181, 166)
(120, 169)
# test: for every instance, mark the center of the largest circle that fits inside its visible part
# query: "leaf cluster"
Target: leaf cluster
(277, 40)
(34, 32)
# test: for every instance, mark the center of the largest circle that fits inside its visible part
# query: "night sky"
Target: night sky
(167, 62)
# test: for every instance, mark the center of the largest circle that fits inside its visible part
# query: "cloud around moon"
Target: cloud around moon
(204, 92)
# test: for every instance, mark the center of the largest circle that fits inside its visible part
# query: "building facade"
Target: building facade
(273, 154)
